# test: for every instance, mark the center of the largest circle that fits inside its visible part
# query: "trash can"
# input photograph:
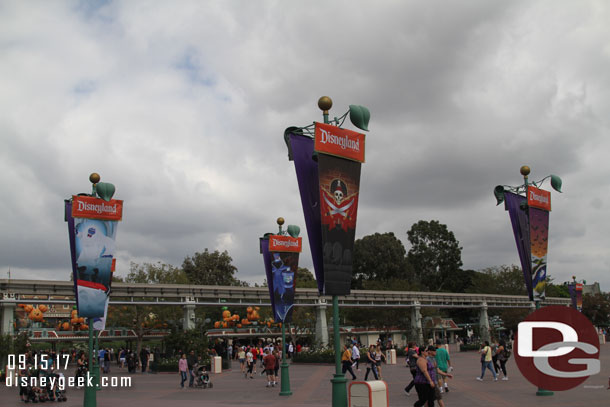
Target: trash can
(390, 356)
(216, 364)
(368, 394)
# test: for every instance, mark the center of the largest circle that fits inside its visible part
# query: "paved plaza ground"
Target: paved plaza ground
(311, 387)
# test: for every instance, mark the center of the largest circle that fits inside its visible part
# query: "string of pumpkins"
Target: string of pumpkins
(252, 318)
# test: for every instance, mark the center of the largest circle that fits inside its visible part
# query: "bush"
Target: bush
(469, 347)
(167, 365)
(315, 356)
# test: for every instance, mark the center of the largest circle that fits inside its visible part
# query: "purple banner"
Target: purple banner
(309, 187)
(520, 223)
(281, 269)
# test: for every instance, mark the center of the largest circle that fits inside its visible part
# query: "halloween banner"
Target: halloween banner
(281, 257)
(306, 167)
(516, 206)
(340, 153)
(539, 236)
(339, 187)
(92, 245)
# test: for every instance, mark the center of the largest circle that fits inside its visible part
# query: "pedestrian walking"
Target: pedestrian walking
(182, 368)
(425, 380)
(241, 355)
(269, 363)
(192, 365)
(356, 356)
(412, 355)
(346, 361)
(443, 363)
(250, 363)
(503, 354)
(372, 363)
(486, 359)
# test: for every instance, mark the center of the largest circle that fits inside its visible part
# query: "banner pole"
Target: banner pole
(285, 389)
(338, 380)
(90, 396)
(525, 170)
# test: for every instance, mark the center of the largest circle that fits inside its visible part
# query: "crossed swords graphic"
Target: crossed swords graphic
(338, 210)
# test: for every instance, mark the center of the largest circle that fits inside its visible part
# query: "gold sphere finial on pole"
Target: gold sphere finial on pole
(94, 178)
(325, 103)
(280, 221)
(525, 170)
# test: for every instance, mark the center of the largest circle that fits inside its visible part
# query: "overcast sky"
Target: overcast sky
(183, 105)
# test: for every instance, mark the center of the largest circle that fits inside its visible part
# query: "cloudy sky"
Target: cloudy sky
(182, 105)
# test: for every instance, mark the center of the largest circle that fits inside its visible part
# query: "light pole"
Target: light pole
(327, 161)
(529, 208)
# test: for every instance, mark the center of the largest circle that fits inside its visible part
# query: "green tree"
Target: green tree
(211, 268)
(435, 254)
(499, 280)
(145, 318)
(380, 259)
(305, 279)
(596, 307)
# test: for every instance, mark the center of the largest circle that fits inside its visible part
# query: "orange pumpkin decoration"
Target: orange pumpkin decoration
(239, 325)
(84, 327)
(226, 314)
(65, 326)
(43, 308)
(28, 308)
(217, 324)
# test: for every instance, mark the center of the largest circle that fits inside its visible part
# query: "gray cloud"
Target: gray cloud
(183, 108)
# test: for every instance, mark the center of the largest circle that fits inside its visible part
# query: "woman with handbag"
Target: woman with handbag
(486, 358)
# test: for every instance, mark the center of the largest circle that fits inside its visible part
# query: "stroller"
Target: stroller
(203, 379)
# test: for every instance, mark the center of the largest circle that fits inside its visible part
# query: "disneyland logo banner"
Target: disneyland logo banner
(96, 208)
(339, 142)
(279, 243)
(539, 198)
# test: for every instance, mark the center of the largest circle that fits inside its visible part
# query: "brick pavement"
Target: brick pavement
(311, 387)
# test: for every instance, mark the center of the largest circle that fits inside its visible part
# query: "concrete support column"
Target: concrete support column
(321, 325)
(188, 321)
(484, 323)
(8, 318)
(416, 329)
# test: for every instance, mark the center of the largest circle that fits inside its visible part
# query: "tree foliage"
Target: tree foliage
(379, 259)
(596, 307)
(305, 279)
(435, 254)
(145, 318)
(499, 280)
(211, 268)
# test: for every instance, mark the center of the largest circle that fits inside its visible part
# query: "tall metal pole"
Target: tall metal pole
(338, 381)
(525, 170)
(285, 389)
(90, 397)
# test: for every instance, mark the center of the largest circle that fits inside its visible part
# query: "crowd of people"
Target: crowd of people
(430, 367)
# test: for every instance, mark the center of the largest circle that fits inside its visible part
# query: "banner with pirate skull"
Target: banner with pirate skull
(92, 226)
(340, 154)
(281, 258)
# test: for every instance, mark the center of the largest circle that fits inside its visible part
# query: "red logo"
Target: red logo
(281, 243)
(539, 198)
(339, 142)
(557, 348)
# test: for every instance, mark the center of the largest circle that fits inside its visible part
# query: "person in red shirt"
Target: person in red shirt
(269, 363)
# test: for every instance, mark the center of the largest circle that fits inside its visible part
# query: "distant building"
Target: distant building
(591, 289)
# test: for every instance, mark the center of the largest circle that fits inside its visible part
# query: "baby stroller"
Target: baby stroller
(203, 379)
(55, 393)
